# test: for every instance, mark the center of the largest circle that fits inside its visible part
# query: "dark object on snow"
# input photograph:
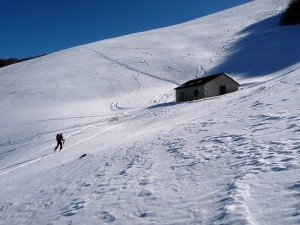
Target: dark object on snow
(60, 140)
(82, 156)
(291, 16)
(6, 62)
(204, 87)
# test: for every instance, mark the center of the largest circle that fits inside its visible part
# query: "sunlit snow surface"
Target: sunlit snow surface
(232, 159)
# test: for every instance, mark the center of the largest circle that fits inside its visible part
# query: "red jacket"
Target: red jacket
(59, 138)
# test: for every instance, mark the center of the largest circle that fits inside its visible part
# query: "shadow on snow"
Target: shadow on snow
(264, 48)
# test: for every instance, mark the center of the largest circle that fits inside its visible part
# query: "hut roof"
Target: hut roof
(201, 80)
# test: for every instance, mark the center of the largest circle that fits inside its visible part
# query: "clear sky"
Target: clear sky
(34, 27)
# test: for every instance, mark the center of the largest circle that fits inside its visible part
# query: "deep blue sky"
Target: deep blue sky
(33, 27)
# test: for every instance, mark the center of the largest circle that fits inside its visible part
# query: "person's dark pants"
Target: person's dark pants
(59, 143)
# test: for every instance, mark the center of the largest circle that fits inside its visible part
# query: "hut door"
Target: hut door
(181, 98)
(196, 94)
(222, 90)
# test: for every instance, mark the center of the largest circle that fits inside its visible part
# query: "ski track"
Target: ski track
(132, 68)
(200, 72)
(169, 68)
(31, 161)
(114, 106)
(22, 164)
(36, 139)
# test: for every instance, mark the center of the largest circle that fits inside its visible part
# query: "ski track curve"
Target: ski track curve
(114, 106)
(200, 72)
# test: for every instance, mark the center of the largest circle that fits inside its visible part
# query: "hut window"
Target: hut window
(222, 90)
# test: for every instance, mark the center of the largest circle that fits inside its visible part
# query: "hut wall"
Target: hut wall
(189, 93)
(213, 87)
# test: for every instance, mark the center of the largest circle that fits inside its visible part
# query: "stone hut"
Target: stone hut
(204, 87)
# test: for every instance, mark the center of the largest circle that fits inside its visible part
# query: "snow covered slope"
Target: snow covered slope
(232, 159)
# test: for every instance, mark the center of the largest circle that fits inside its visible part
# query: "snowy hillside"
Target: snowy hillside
(232, 159)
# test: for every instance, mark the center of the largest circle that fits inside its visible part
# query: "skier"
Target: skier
(60, 141)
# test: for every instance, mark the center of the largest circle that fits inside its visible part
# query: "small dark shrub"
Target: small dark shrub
(6, 62)
(292, 14)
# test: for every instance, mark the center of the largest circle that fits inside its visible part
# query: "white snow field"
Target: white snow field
(231, 159)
